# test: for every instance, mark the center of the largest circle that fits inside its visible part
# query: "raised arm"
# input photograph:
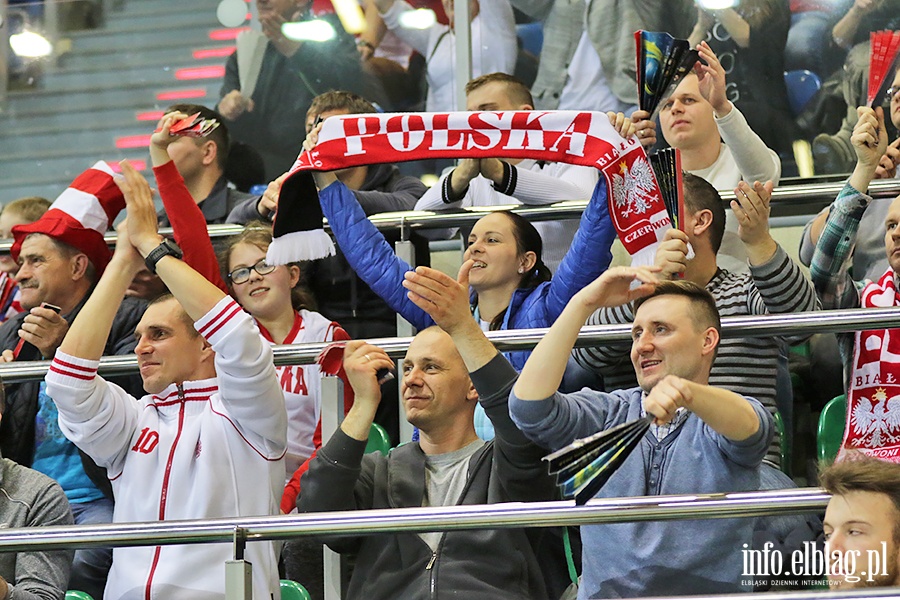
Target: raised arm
(754, 159)
(544, 369)
(833, 283)
(188, 222)
(370, 255)
(588, 256)
(392, 11)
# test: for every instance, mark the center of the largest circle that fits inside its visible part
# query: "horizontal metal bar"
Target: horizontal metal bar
(788, 200)
(825, 321)
(444, 518)
(839, 594)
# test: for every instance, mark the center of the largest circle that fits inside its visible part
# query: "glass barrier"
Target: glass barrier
(84, 80)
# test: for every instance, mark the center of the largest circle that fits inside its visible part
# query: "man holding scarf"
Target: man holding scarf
(871, 358)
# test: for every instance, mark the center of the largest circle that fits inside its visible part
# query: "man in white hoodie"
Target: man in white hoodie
(209, 438)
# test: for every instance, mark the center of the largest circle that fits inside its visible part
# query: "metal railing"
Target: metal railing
(787, 201)
(440, 518)
(825, 321)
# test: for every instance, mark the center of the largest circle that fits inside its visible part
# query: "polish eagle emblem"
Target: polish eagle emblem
(876, 421)
(633, 188)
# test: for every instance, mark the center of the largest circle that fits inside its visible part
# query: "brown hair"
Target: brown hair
(527, 240)
(860, 473)
(182, 314)
(517, 91)
(259, 234)
(340, 100)
(700, 298)
(699, 195)
(30, 208)
(219, 136)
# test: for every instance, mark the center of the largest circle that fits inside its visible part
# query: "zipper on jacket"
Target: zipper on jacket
(164, 493)
(432, 584)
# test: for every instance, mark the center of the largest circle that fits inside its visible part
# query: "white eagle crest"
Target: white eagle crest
(877, 419)
(633, 189)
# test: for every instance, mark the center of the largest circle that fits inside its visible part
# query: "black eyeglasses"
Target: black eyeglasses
(242, 274)
(891, 93)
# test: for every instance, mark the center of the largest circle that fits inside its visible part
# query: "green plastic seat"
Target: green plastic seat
(832, 423)
(76, 595)
(291, 590)
(785, 444)
(379, 440)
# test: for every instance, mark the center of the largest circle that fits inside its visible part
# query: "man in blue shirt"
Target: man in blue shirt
(704, 439)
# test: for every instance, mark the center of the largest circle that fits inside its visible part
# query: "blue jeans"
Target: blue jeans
(91, 565)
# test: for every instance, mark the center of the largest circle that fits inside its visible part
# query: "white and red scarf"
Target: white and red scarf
(581, 138)
(873, 400)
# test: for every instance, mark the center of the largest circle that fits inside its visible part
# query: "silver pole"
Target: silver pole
(444, 518)
(405, 251)
(332, 415)
(462, 49)
(238, 572)
(825, 321)
(786, 201)
(849, 594)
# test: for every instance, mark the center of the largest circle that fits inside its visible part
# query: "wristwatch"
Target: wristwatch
(166, 248)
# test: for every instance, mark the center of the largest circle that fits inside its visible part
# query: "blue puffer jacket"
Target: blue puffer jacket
(374, 261)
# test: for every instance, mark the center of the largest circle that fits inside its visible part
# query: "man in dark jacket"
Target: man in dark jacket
(445, 372)
(291, 74)
(61, 260)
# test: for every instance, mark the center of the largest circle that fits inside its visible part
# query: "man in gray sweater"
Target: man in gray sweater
(445, 372)
(31, 499)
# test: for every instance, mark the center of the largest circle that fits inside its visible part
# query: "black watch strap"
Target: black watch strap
(166, 248)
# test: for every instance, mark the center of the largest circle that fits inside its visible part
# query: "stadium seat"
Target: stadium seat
(76, 595)
(379, 440)
(830, 433)
(291, 590)
(801, 85)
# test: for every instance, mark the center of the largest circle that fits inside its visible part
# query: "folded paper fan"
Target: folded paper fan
(662, 62)
(585, 465)
(666, 165)
(882, 63)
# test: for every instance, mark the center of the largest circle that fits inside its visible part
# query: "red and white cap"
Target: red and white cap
(80, 216)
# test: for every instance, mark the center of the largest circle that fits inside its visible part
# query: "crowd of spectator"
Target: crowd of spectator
(210, 427)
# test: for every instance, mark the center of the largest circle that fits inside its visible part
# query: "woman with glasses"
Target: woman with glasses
(272, 295)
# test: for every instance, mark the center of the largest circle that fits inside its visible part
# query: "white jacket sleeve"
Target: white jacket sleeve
(755, 160)
(494, 43)
(97, 416)
(554, 182)
(249, 392)
(419, 39)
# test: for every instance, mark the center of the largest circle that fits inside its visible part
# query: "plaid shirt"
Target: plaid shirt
(830, 265)
(661, 431)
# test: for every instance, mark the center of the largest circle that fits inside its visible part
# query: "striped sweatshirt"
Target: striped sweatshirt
(746, 365)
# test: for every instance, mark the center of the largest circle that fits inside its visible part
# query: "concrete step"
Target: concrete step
(148, 7)
(115, 59)
(85, 99)
(163, 19)
(139, 37)
(156, 75)
(14, 126)
(103, 136)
